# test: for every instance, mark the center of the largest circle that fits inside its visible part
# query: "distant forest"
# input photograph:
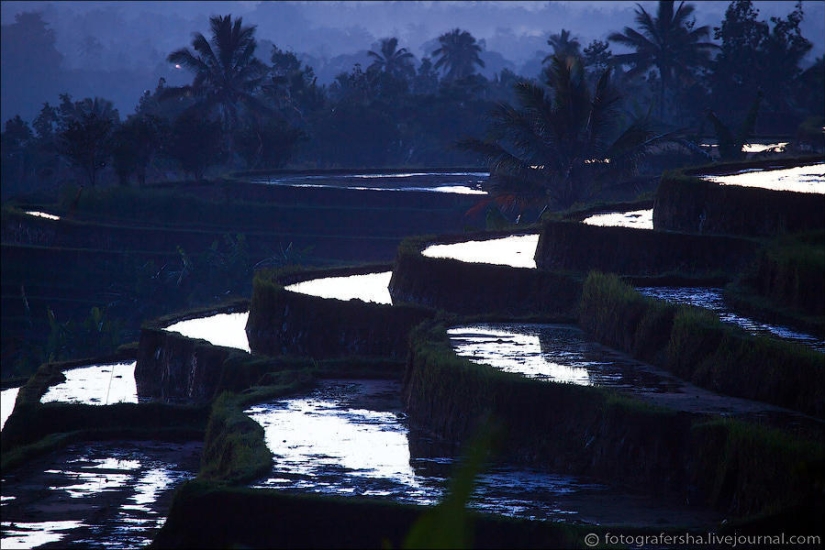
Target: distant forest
(251, 108)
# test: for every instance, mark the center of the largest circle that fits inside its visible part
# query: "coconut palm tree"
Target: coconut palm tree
(670, 41)
(563, 45)
(563, 143)
(227, 73)
(458, 54)
(392, 60)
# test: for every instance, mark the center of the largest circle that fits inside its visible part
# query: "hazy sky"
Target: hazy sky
(136, 37)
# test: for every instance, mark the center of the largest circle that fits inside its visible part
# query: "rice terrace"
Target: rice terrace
(417, 295)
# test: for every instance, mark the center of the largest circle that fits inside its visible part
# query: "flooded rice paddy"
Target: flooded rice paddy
(550, 352)
(7, 399)
(639, 219)
(96, 385)
(350, 438)
(513, 251)
(464, 183)
(802, 179)
(712, 299)
(221, 329)
(370, 287)
(112, 494)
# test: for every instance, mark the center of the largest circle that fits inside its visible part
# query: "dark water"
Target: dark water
(712, 299)
(350, 438)
(112, 494)
(439, 182)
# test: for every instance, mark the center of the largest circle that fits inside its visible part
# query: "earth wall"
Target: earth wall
(479, 289)
(626, 251)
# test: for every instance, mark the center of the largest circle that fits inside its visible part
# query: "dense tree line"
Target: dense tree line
(252, 109)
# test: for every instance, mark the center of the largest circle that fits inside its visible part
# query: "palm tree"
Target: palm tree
(563, 143)
(227, 73)
(459, 53)
(670, 42)
(563, 45)
(391, 60)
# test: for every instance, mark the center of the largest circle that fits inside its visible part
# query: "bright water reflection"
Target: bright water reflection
(7, 399)
(712, 299)
(222, 329)
(96, 385)
(803, 179)
(43, 215)
(31, 535)
(96, 494)
(350, 438)
(514, 251)
(557, 353)
(371, 287)
(464, 183)
(640, 219)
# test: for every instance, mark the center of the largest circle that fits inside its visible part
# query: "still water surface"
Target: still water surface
(221, 329)
(370, 287)
(802, 179)
(350, 438)
(712, 299)
(96, 385)
(464, 183)
(513, 251)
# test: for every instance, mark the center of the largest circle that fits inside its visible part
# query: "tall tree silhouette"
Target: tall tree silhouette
(392, 60)
(458, 54)
(563, 142)
(85, 133)
(670, 41)
(227, 73)
(563, 45)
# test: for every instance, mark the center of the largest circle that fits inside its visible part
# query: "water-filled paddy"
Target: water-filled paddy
(712, 299)
(465, 183)
(513, 251)
(802, 179)
(639, 219)
(96, 385)
(370, 287)
(550, 352)
(350, 438)
(7, 399)
(222, 329)
(95, 494)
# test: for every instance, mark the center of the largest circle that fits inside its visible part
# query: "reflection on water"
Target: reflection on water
(371, 287)
(762, 147)
(514, 251)
(712, 299)
(222, 329)
(7, 399)
(96, 494)
(32, 535)
(557, 353)
(350, 438)
(639, 219)
(43, 215)
(464, 183)
(96, 385)
(803, 179)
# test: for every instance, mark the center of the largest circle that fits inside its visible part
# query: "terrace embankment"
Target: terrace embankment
(568, 246)
(479, 289)
(696, 346)
(596, 432)
(686, 202)
(282, 322)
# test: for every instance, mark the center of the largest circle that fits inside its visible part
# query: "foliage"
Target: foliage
(669, 41)
(731, 147)
(227, 73)
(458, 54)
(196, 143)
(136, 142)
(563, 143)
(85, 133)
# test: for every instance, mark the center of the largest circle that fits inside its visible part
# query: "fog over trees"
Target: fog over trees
(116, 50)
